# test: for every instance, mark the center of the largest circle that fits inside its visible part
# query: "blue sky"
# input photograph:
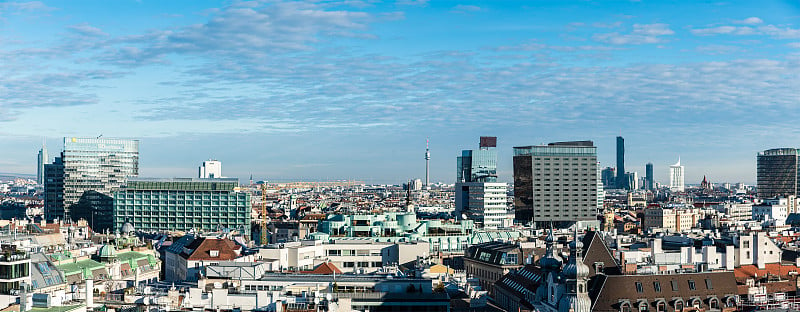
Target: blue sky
(350, 89)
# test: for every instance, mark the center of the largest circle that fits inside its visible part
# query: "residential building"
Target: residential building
(186, 260)
(736, 211)
(670, 219)
(676, 177)
(182, 204)
(443, 236)
(558, 182)
(776, 172)
(92, 169)
(210, 169)
(488, 262)
(771, 212)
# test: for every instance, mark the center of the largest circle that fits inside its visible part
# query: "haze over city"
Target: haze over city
(351, 90)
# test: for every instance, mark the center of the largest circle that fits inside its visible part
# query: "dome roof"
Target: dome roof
(576, 268)
(107, 251)
(551, 262)
(128, 228)
(574, 303)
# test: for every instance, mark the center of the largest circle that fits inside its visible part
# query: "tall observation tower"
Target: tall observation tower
(427, 161)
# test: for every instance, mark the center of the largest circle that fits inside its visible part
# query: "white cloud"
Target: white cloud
(641, 34)
(750, 21)
(769, 30)
(465, 8)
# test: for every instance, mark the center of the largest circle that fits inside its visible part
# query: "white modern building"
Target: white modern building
(676, 176)
(210, 169)
(483, 202)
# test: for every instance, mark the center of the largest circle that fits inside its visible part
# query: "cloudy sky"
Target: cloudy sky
(328, 90)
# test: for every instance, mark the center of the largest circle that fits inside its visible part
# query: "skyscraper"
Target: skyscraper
(480, 165)
(777, 172)
(558, 182)
(91, 169)
(479, 196)
(676, 175)
(649, 183)
(210, 169)
(41, 160)
(622, 180)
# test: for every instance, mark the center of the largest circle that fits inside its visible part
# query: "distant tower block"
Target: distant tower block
(427, 162)
(210, 169)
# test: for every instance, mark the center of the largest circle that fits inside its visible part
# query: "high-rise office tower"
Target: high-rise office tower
(478, 165)
(676, 175)
(479, 196)
(649, 181)
(609, 177)
(210, 169)
(91, 169)
(777, 172)
(558, 182)
(622, 180)
(41, 160)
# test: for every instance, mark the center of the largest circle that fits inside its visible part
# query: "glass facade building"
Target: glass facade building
(777, 172)
(479, 197)
(557, 183)
(478, 165)
(182, 205)
(92, 169)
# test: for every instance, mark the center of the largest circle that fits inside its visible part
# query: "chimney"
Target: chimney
(89, 294)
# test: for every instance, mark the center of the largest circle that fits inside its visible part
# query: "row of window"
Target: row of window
(674, 285)
(362, 264)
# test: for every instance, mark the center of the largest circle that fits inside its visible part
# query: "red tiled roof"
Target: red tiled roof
(776, 269)
(228, 250)
(326, 268)
(313, 217)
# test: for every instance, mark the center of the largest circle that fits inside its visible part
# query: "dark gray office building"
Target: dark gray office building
(776, 172)
(557, 183)
(622, 179)
(649, 181)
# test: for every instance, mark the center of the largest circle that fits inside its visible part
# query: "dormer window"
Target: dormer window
(214, 253)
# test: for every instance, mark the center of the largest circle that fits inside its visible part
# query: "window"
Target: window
(639, 288)
(674, 285)
(678, 305)
(713, 303)
(625, 307)
(691, 285)
(708, 284)
(349, 264)
(657, 286)
(214, 253)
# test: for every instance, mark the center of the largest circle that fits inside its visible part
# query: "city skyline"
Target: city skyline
(327, 91)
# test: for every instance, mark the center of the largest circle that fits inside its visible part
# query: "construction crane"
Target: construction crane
(264, 213)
